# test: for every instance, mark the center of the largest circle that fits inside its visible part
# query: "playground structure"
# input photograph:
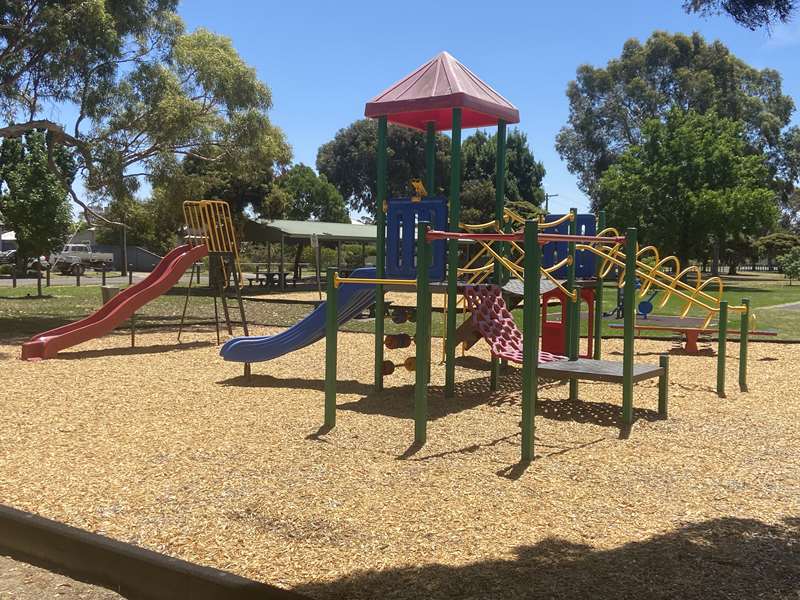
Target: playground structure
(209, 234)
(413, 102)
(418, 247)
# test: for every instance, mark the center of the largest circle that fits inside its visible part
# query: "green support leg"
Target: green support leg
(500, 275)
(663, 386)
(722, 347)
(530, 338)
(430, 158)
(598, 296)
(743, 338)
(380, 248)
(331, 335)
(573, 306)
(628, 308)
(452, 256)
(423, 337)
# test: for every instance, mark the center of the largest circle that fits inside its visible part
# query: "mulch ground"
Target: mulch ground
(170, 448)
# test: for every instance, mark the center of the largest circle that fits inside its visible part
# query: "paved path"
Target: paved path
(21, 581)
(786, 306)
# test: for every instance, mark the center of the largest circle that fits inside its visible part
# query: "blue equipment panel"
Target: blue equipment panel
(401, 232)
(553, 252)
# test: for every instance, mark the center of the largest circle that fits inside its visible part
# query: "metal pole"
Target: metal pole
(430, 158)
(186, 301)
(331, 332)
(281, 284)
(124, 246)
(499, 204)
(598, 295)
(380, 249)
(423, 336)
(628, 309)
(573, 306)
(48, 276)
(663, 386)
(452, 256)
(530, 338)
(722, 338)
(743, 335)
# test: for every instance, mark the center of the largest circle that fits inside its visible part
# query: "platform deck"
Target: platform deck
(595, 370)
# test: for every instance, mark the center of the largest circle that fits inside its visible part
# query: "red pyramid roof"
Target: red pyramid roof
(430, 92)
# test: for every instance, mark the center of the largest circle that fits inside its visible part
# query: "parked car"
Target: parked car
(32, 265)
(74, 259)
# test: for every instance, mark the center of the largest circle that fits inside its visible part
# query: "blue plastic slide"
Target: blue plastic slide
(352, 300)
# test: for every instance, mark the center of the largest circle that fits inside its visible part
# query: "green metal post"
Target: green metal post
(380, 248)
(573, 306)
(663, 386)
(570, 285)
(423, 336)
(598, 296)
(530, 338)
(743, 335)
(500, 275)
(627, 311)
(452, 256)
(331, 335)
(500, 198)
(430, 158)
(722, 339)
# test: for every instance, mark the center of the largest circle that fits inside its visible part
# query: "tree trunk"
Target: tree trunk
(715, 259)
(297, 255)
(124, 269)
(733, 265)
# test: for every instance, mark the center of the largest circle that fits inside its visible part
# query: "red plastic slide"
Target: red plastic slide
(117, 310)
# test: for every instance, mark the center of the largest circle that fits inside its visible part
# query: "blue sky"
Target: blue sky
(323, 60)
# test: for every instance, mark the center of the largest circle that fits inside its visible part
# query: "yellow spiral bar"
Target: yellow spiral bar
(563, 219)
(479, 226)
(565, 262)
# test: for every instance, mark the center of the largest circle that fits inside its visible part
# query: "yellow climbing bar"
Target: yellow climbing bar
(209, 222)
(337, 281)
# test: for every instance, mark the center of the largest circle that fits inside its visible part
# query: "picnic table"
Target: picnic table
(689, 327)
(268, 278)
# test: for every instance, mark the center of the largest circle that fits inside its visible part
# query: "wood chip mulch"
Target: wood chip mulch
(170, 448)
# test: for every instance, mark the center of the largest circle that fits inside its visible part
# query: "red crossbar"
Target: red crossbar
(518, 236)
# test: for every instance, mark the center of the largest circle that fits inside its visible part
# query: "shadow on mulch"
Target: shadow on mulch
(128, 351)
(348, 386)
(675, 351)
(720, 558)
(399, 402)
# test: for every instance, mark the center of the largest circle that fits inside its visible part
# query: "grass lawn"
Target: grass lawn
(22, 314)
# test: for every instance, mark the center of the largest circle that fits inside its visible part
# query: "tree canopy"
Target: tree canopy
(33, 201)
(752, 14)
(524, 175)
(690, 181)
(311, 197)
(610, 105)
(349, 163)
(145, 91)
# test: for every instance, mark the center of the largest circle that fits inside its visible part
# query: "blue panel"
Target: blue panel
(401, 225)
(553, 252)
